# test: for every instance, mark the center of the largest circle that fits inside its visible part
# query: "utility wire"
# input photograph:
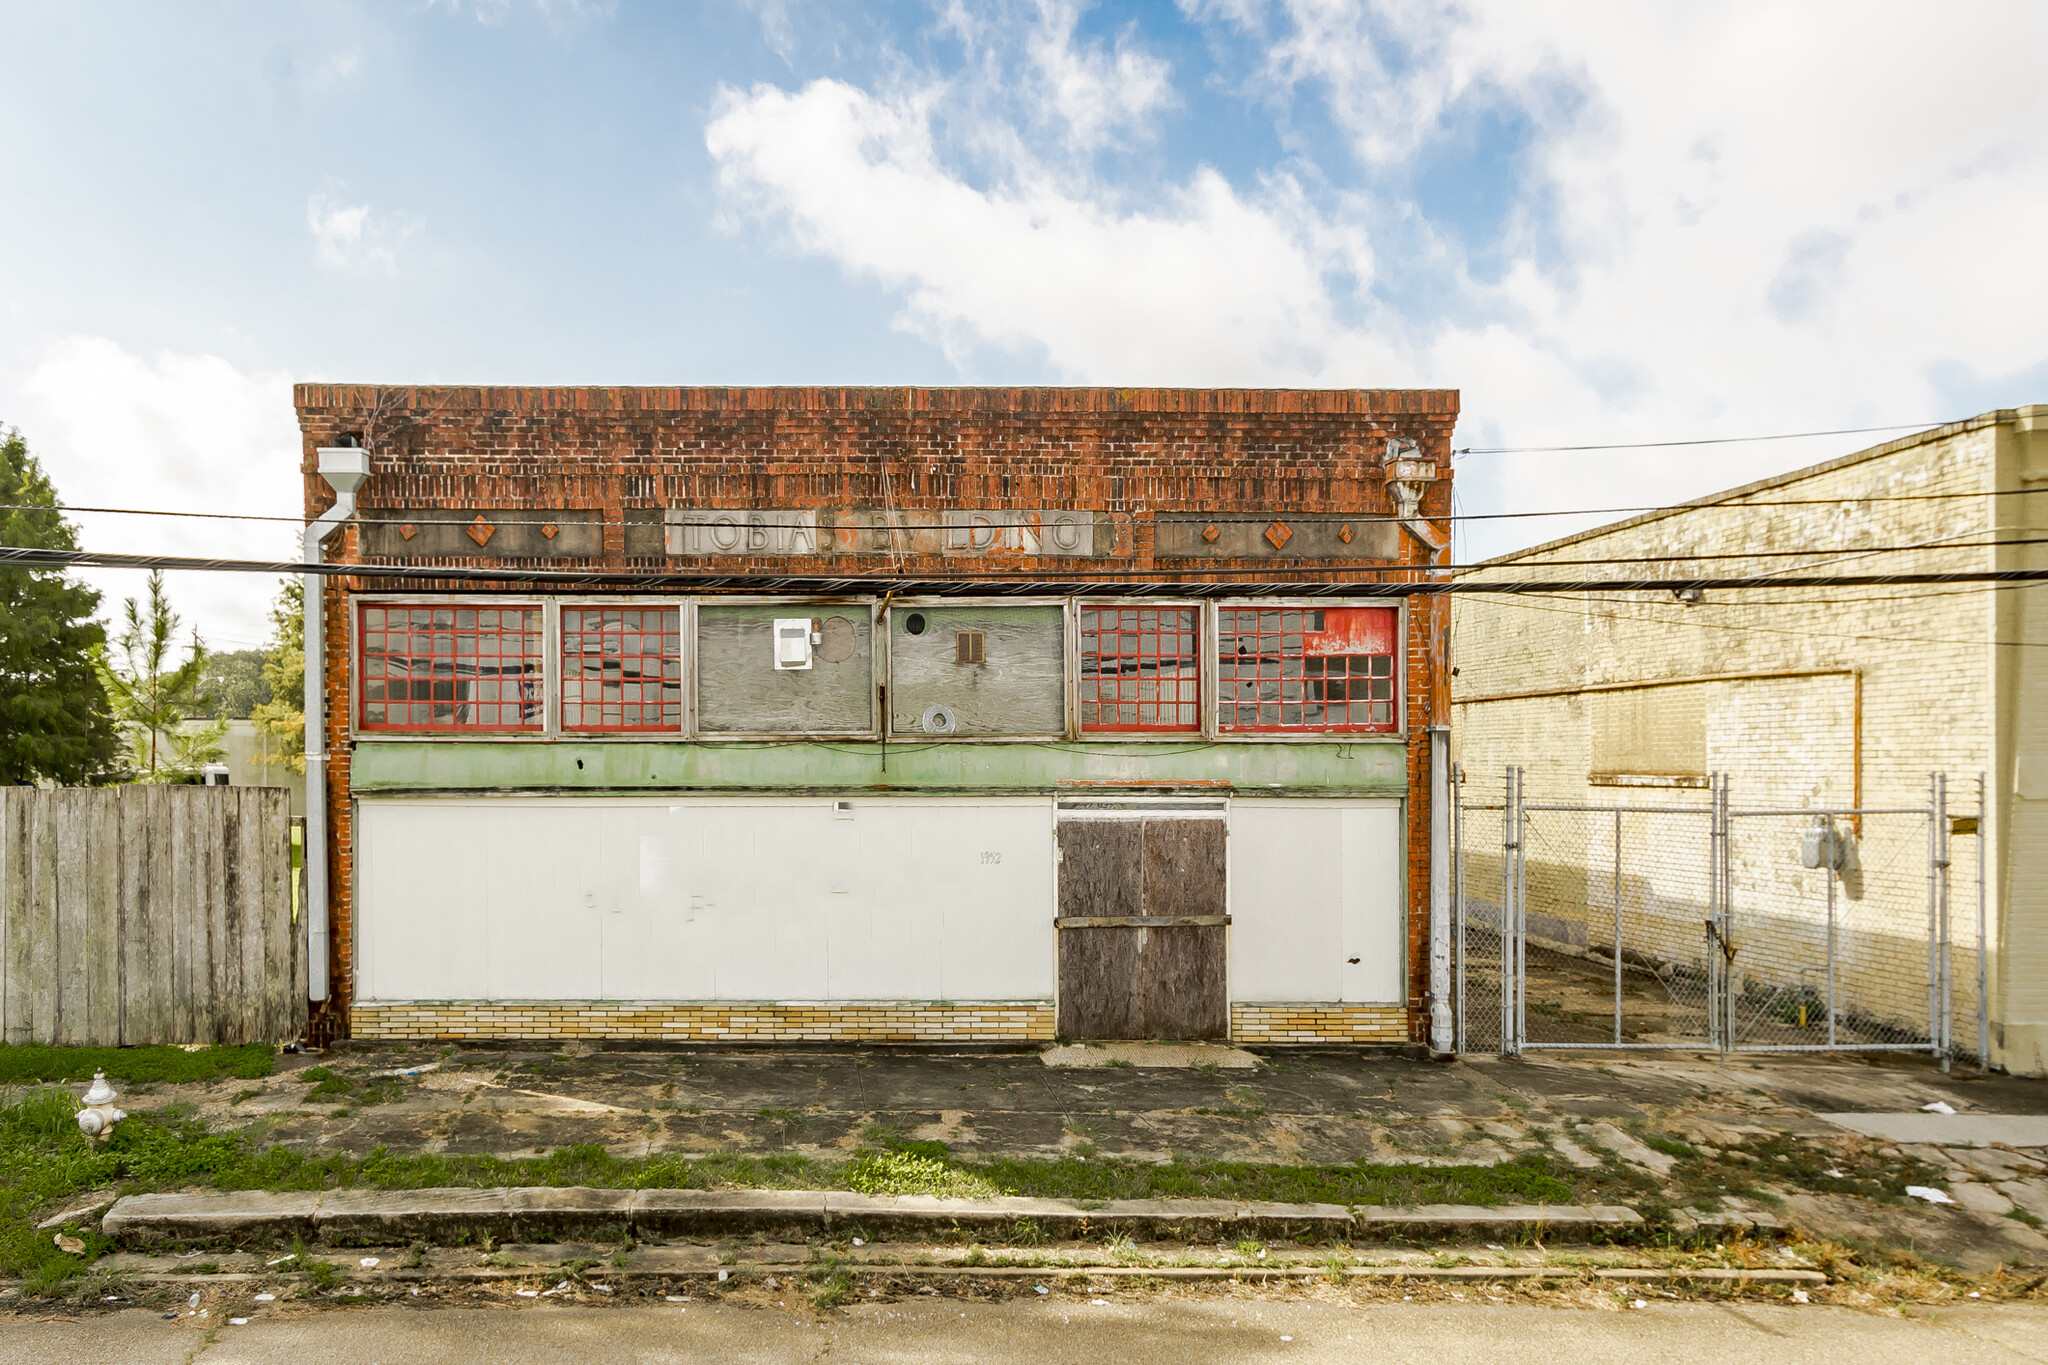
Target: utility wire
(1799, 633)
(534, 516)
(1699, 441)
(1826, 555)
(826, 584)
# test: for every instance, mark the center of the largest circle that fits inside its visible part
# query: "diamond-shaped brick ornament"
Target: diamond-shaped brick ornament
(1344, 533)
(408, 531)
(481, 531)
(550, 530)
(1210, 532)
(1279, 533)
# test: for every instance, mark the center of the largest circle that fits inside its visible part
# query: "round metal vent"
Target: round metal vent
(938, 720)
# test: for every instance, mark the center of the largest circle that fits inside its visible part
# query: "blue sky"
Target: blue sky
(1600, 222)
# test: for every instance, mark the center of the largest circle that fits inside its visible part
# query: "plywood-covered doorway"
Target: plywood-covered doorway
(1143, 920)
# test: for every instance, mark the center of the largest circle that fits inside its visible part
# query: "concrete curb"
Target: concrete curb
(1048, 1274)
(542, 1213)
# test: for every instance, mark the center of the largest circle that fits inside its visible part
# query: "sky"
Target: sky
(1602, 223)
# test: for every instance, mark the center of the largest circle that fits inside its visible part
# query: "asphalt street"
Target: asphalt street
(1053, 1333)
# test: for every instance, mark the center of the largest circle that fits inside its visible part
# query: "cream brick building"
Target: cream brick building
(1806, 698)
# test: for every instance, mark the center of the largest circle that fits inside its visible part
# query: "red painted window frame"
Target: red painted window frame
(1137, 646)
(670, 680)
(532, 700)
(1349, 633)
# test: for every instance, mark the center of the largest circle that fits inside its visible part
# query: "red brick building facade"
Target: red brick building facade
(1091, 539)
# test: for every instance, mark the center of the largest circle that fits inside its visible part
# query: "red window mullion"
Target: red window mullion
(1140, 669)
(1287, 670)
(449, 667)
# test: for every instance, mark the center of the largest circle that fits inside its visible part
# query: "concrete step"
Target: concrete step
(534, 1213)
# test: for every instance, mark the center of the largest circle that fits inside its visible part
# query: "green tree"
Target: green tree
(283, 716)
(54, 722)
(154, 698)
(233, 682)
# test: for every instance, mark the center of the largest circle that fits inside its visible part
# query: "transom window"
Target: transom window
(622, 668)
(446, 667)
(1299, 668)
(1140, 668)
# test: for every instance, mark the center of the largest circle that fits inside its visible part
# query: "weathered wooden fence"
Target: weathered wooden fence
(148, 915)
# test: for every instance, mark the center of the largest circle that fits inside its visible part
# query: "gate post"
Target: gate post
(1458, 905)
(1937, 918)
(1514, 831)
(1983, 944)
(1720, 998)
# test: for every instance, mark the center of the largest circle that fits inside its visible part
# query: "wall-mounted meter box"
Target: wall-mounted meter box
(794, 638)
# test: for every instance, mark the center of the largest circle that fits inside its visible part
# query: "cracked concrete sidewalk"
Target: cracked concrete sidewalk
(1592, 1115)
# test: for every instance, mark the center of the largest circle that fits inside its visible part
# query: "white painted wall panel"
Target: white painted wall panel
(1375, 927)
(1312, 884)
(734, 899)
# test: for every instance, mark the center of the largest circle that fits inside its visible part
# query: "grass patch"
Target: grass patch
(904, 1172)
(33, 1063)
(330, 1086)
(1669, 1146)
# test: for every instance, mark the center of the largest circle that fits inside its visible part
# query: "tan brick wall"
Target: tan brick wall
(1001, 1022)
(1314, 1023)
(1874, 688)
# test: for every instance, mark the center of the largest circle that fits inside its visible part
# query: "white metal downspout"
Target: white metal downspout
(1442, 1035)
(344, 468)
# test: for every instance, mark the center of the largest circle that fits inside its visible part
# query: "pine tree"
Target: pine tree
(283, 717)
(54, 720)
(154, 698)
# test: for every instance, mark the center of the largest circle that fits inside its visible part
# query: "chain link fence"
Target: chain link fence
(1616, 907)
(1479, 961)
(1831, 939)
(1689, 923)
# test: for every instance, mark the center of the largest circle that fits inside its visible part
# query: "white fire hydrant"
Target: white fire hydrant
(99, 1113)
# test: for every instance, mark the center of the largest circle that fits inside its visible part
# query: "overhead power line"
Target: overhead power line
(1576, 606)
(1698, 441)
(453, 516)
(1014, 582)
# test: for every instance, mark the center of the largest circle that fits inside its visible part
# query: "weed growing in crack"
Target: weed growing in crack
(831, 1285)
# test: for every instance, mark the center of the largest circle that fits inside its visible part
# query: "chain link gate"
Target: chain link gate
(1663, 924)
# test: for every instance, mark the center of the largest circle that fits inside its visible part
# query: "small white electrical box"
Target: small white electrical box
(794, 639)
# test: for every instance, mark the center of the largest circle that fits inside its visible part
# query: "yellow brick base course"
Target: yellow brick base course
(1291, 1023)
(1016, 1021)
(1000, 1022)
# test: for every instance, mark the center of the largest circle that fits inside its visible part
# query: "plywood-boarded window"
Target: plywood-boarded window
(741, 692)
(1653, 735)
(973, 670)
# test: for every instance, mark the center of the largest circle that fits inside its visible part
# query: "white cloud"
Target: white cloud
(1095, 91)
(557, 13)
(1726, 219)
(1211, 288)
(351, 237)
(177, 432)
